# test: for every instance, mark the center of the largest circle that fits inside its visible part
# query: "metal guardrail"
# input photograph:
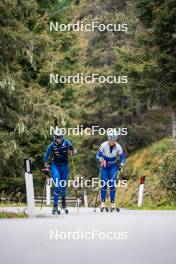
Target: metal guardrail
(11, 199)
(69, 200)
(39, 199)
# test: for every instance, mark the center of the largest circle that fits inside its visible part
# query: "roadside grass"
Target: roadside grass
(145, 162)
(12, 215)
(163, 207)
(12, 204)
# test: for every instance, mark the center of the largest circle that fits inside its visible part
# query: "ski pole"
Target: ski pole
(76, 193)
(77, 200)
(46, 171)
(95, 205)
(43, 193)
(119, 172)
(96, 198)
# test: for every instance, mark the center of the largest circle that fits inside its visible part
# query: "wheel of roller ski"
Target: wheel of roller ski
(118, 209)
(66, 211)
(56, 212)
(107, 209)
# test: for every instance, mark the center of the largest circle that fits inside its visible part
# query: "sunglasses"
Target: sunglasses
(58, 137)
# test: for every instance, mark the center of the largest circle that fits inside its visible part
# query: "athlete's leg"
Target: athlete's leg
(64, 180)
(112, 180)
(103, 178)
(56, 178)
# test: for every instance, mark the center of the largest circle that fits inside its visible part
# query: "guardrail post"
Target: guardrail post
(48, 192)
(29, 188)
(85, 198)
(141, 191)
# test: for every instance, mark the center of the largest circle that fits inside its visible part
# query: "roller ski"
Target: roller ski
(64, 207)
(55, 211)
(103, 208)
(65, 210)
(114, 209)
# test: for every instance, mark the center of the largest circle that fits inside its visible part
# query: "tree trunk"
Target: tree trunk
(174, 124)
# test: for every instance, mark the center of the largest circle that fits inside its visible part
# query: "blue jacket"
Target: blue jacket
(59, 152)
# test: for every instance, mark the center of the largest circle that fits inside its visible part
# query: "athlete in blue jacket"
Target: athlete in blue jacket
(107, 156)
(59, 149)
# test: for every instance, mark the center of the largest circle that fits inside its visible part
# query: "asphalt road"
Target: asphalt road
(128, 237)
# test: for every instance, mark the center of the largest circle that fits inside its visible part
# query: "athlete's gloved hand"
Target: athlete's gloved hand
(46, 169)
(73, 152)
(102, 161)
(120, 169)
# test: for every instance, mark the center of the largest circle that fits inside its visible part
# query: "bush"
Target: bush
(167, 171)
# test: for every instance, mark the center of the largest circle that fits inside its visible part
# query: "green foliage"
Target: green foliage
(157, 164)
(144, 162)
(167, 171)
(13, 215)
(29, 103)
(148, 57)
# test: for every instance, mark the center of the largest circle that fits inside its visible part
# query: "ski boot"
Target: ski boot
(55, 211)
(114, 208)
(64, 207)
(103, 208)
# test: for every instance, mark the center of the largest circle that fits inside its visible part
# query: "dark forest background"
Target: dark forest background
(29, 104)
